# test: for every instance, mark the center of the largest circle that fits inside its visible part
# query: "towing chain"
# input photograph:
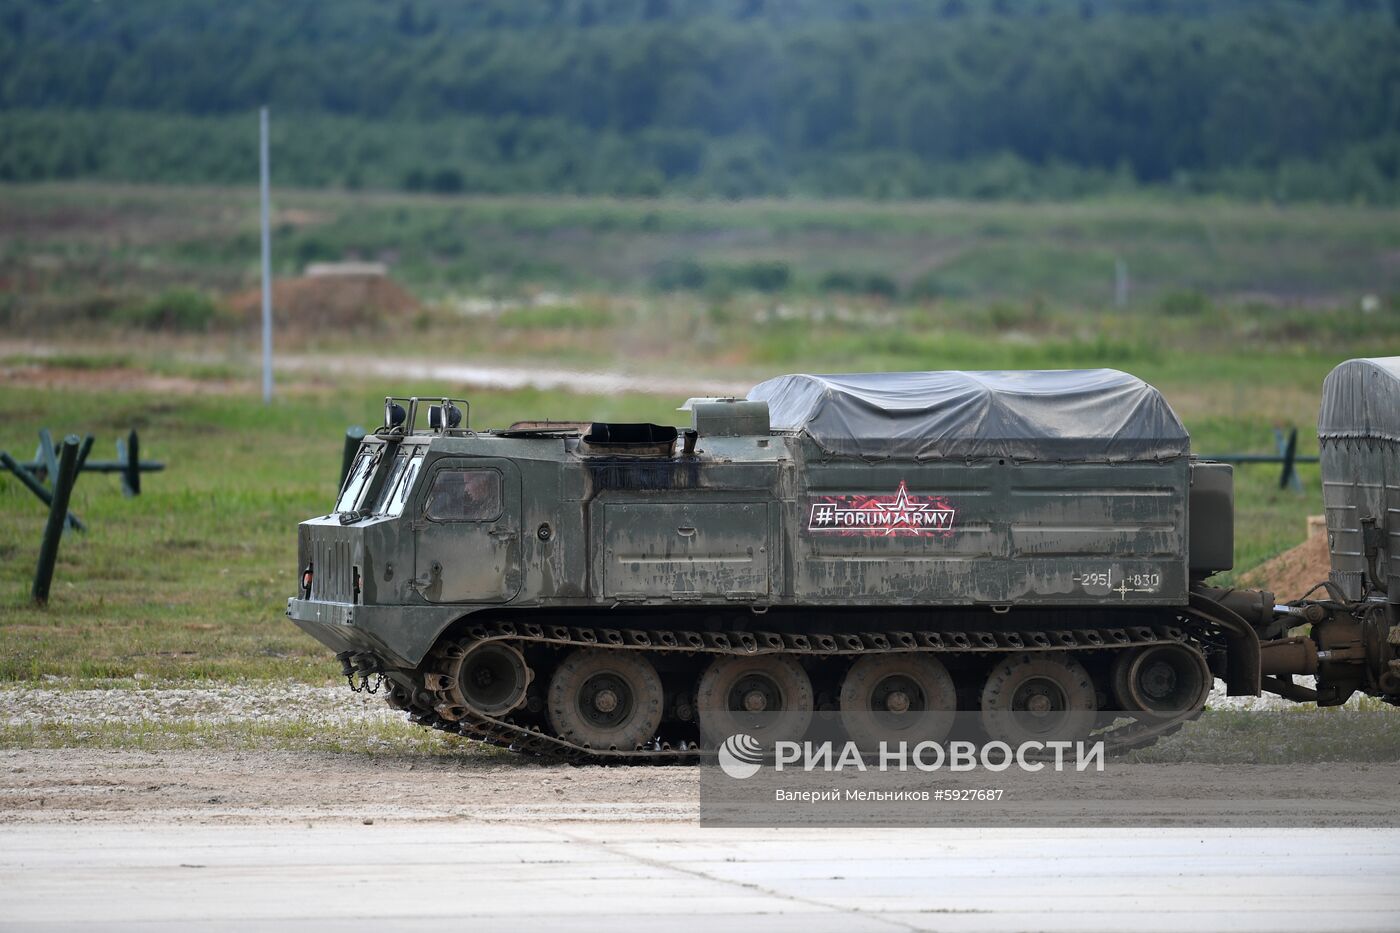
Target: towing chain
(365, 685)
(449, 716)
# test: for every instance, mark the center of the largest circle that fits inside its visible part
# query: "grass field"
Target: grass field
(188, 580)
(64, 245)
(1237, 314)
(1275, 295)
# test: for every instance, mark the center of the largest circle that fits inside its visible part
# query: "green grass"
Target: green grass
(188, 580)
(92, 249)
(1238, 313)
(1366, 731)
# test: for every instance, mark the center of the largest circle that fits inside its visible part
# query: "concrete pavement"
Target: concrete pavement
(618, 877)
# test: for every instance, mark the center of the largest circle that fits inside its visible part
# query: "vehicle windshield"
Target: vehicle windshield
(356, 481)
(396, 489)
(393, 494)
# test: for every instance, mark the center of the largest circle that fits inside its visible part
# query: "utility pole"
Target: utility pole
(1120, 282)
(266, 263)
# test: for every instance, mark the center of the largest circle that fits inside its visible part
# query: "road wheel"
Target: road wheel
(767, 696)
(895, 698)
(1161, 681)
(1038, 698)
(492, 678)
(605, 699)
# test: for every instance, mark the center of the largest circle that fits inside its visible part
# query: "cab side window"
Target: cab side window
(465, 496)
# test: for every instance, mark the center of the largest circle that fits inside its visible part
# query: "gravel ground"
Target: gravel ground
(1218, 699)
(56, 701)
(379, 778)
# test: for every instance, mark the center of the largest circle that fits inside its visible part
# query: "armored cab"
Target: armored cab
(1028, 546)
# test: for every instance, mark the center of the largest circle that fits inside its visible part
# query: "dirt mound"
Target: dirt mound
(312, 302)
(1295, 571)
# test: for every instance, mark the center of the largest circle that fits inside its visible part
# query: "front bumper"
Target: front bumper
(399, 635)
(333, 625)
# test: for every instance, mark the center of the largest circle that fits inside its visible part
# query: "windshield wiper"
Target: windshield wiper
(375, 486)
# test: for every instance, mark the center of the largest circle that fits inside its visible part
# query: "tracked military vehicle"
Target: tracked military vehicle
(881, 550)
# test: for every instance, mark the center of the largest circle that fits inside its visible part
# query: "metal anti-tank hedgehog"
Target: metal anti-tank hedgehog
(1033, 547)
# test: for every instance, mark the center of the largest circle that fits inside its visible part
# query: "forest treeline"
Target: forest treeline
(1283, 99)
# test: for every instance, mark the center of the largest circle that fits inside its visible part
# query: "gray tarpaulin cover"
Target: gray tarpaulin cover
(1089, 414)
(1361, 398)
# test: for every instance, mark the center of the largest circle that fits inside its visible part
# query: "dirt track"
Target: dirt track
(272, 787)
(285, 780)
(448, 373)
(66, 785)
